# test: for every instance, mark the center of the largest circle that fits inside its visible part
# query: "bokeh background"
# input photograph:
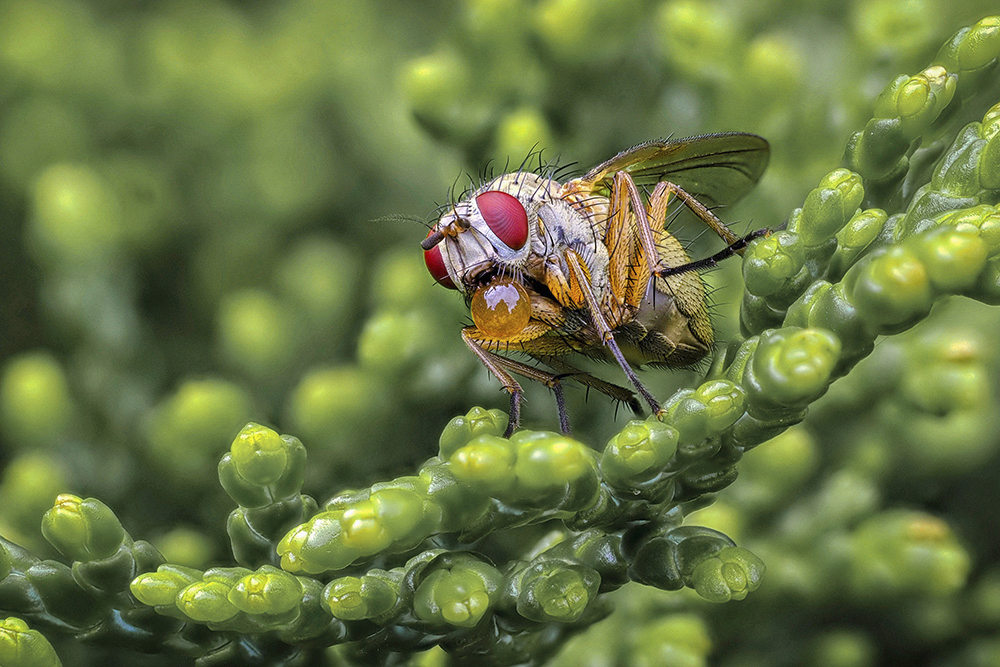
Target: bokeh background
(210, 213)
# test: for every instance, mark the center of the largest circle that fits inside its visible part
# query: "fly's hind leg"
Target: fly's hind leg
(734, 248)
(656, 217)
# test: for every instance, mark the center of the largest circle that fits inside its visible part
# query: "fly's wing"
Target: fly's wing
(715, 168)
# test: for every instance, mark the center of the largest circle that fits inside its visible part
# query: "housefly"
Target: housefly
(549, 269)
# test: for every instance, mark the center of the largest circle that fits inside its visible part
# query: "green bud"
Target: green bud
(902, 553)
(689, 416)
(320, 275)
(639, 450)
(187, 427)
(402, 512)
(520, 132)
(828, 207)
(206, 602)
(774, 62)
(879, 150)
(844, 648)
(823, 306)
(84, 530)
(953, 258)
(393, 341)
(329, 401)
(699, 37)
(724, 402)
(257, 332)
(666, 560)
(362, 529)
(585, 30)
(487, 462)
(988, 288)
(438, 88)
(980, 45)
(496, 24)
(266, 591)
(889, 289)
(558, 591)
(920, 99)
(546, 460)
(476, 422)
(316, 546)
(20, 646)
(460, 503)
(758, 313)
(730, 574)
(358, 598)
(75, 215)
(460, 593)
(678, 639)
(983, 220)
(160, 588)
(770, 262)
(989, 164)
(854, 237)
(35, 401)
(343, 599)
(259, 454)
(790, 368)
(775, 470)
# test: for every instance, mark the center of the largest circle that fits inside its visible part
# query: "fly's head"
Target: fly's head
(480, 248)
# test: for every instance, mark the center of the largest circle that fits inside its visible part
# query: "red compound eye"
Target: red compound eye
(505, 216)
(435, 265)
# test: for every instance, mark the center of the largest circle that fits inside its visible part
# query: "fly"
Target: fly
(549, 269)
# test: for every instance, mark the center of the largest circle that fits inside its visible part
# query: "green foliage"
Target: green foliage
(204, 203)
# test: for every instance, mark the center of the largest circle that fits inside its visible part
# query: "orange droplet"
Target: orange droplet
(502, 309)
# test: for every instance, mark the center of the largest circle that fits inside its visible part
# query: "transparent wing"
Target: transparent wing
(715, 168)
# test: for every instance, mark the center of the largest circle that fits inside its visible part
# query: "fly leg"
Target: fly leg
(613, 391)
(579, 274)
(734, 248)
(656, 216)
(499, 366)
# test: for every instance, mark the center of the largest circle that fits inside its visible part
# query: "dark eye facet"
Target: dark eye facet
(505, 216)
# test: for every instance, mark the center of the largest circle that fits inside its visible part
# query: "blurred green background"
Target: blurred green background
(210, 213)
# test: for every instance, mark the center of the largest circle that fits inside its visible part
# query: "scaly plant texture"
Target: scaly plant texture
(200, 252)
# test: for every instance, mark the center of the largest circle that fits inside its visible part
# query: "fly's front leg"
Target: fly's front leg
(613, 391)
(500, 366)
